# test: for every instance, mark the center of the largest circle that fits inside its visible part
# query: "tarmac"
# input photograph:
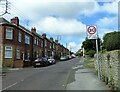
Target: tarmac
(82, 78)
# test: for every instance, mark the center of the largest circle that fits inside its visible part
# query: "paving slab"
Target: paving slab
(82, 78)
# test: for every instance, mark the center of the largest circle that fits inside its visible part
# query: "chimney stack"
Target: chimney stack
(51, 38)
(56, 41)
(15, 20)
(44, 35)
(33, 29)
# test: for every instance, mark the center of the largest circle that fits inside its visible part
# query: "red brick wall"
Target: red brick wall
(18, 63)
(1, 34)
(14, 42)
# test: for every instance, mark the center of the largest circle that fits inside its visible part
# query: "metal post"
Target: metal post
(83, 52)
(70, 51)
(97, 59)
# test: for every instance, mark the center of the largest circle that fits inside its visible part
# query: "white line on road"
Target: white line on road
(13, 84)
(10, 86)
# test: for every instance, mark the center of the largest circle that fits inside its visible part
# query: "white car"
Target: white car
(51, 60)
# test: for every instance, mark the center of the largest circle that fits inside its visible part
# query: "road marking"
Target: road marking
(10, 86)
(13, 84)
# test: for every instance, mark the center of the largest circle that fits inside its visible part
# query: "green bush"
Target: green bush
(91, 53)
(111, 41)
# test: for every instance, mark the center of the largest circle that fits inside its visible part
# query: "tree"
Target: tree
(90, 44)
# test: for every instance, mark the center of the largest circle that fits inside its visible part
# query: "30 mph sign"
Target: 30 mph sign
(91, 32)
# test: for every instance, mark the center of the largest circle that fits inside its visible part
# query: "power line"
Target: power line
(6, 7)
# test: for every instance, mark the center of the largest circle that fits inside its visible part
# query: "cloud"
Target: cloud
(107, 23)
(73, 46)
(111, 8)
(61, 26)
(38, 8)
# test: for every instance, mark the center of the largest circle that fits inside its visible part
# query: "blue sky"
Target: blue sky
(67, 18)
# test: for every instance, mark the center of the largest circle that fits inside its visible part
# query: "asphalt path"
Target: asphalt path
(53, 77)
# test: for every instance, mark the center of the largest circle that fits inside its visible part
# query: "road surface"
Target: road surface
(52, 77)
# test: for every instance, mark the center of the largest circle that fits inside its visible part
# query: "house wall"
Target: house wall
(1, 46)
(24, 48)
(37, 48)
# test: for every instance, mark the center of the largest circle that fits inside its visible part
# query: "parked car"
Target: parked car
(69, 56)
(73, 55)
(51, 60)
(41, 62)
(63, 58)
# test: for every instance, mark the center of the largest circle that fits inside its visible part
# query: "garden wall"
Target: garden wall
(109, 68)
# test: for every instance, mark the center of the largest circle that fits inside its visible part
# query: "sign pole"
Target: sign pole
(93, 34)
(97, 59)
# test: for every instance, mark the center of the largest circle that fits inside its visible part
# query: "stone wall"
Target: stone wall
(109, 68)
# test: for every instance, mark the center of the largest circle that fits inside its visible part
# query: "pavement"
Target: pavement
(82, 78)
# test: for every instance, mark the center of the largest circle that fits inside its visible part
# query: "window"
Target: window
(37, 54)
(45, 43)
(28, 55)
(50, 45)
(19, 37)
(18, 53)
(35, 40)
(8, 52)
(53, 45)
(27, 39)
(9, 33)
(41, 43)
(56, 47)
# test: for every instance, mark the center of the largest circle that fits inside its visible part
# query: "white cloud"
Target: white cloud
(62, 26)
(38, 8)
(110, 7)
(73, 46)
(106, 22)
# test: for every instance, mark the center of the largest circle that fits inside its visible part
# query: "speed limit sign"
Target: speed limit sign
(91, 32)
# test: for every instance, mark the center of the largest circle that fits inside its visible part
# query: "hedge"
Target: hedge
(111, 41)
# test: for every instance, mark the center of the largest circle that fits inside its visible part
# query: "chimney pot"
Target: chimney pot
(44, 35)
(51, 38)
(15, 20)
(33, 29)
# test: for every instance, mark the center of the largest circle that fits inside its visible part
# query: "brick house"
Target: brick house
(47, 46)
(16, 42)
(38, 50)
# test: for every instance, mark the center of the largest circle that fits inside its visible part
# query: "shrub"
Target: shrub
(112, 41)
(91, 53)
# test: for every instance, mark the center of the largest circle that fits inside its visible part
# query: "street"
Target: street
(54, 77)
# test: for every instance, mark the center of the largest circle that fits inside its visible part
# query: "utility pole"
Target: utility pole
(6, 7)
(58, 37)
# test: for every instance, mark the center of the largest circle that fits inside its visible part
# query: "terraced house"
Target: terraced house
(19, 46)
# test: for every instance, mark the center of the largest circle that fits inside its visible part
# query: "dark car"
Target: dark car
(41, 62)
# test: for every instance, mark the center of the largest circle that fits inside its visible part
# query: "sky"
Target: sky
(66, 18)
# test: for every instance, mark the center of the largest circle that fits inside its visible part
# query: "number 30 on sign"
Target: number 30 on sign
(91, 32)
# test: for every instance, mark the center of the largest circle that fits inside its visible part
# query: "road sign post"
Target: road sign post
(92, 34)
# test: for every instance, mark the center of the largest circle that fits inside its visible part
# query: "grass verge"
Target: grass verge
(89, 63)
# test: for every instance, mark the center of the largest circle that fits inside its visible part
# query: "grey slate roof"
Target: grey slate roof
(4, 21)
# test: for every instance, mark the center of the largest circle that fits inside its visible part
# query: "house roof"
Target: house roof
(4, 21)
(24, 29)
(38, 35)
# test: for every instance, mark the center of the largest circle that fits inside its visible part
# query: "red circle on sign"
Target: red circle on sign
(89, 31)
